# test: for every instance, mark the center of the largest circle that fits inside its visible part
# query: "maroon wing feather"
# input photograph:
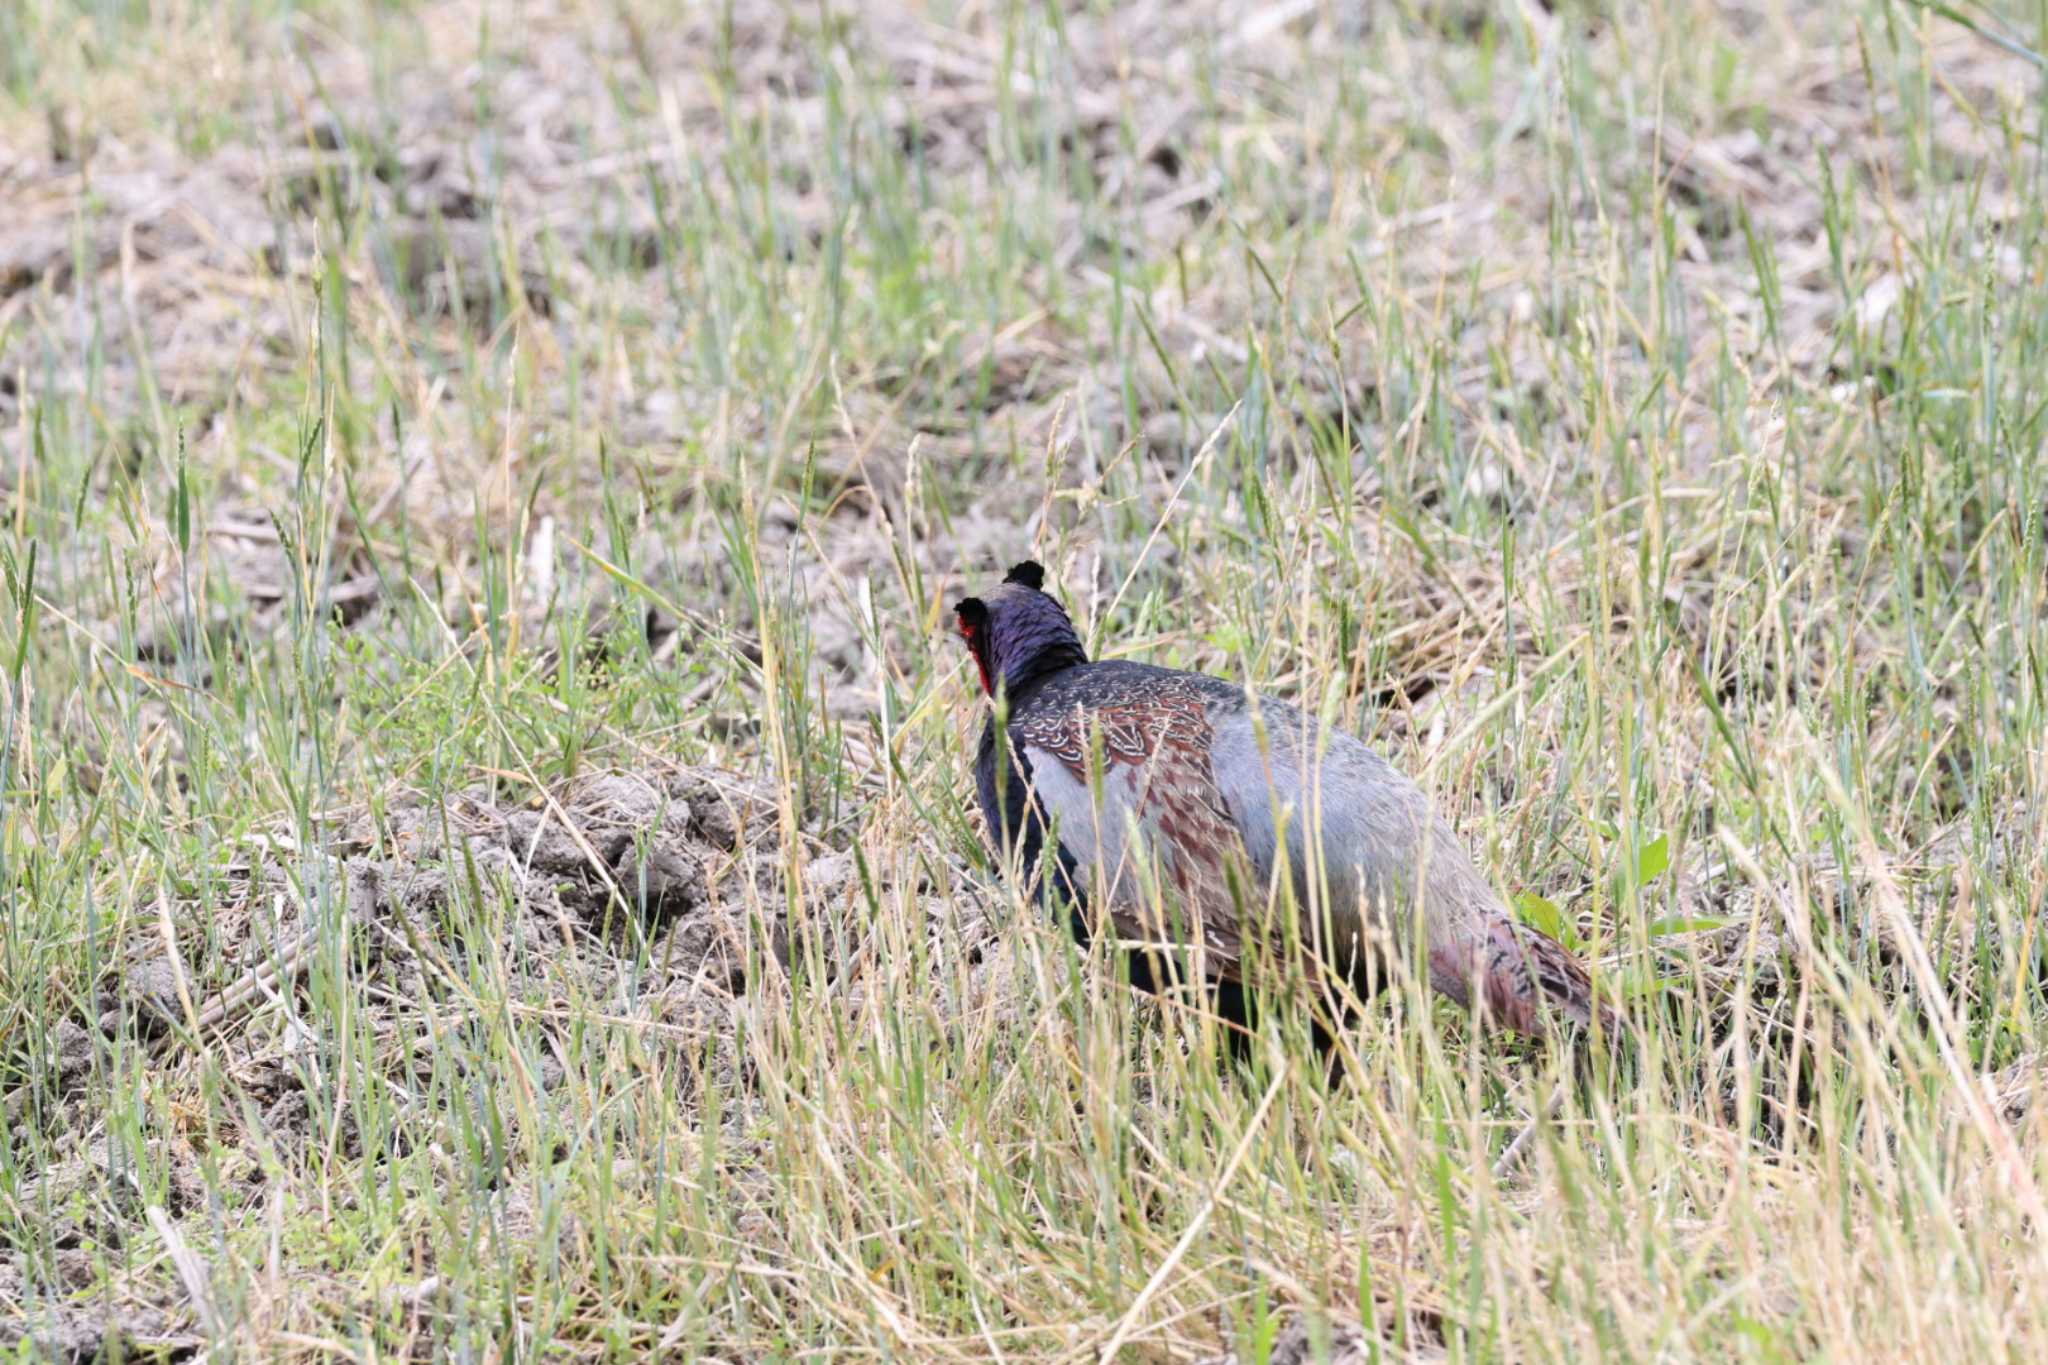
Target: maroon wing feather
(1161, 744)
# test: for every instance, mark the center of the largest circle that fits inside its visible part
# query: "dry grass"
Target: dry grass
(486, 834)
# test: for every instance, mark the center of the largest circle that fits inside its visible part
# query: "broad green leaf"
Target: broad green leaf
(1653, 859)
(1540, 914)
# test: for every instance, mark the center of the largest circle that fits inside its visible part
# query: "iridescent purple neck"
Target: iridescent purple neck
(1030, 636)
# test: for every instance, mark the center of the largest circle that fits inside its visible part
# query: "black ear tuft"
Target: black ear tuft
(1030, 573)
(972, 611)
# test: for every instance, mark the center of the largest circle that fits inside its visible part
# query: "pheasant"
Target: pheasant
(1175, 801)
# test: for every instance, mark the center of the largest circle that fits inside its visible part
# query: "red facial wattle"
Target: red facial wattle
(972, 635)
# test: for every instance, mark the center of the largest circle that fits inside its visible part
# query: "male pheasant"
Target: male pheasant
(1174, 797)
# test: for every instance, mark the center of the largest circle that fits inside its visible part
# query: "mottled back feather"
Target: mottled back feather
(1123, 765)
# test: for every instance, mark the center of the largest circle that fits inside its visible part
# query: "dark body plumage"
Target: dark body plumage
(1179, 803)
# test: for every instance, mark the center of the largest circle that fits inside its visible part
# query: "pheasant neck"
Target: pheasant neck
(1020, 675)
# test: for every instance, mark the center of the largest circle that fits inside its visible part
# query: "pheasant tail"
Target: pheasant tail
(1528, 978)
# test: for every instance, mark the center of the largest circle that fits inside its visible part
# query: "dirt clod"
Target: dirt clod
(662, 880)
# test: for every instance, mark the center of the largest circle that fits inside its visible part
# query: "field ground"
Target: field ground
(487, 848)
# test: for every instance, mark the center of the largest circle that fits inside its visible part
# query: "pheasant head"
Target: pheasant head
(1017, 632)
